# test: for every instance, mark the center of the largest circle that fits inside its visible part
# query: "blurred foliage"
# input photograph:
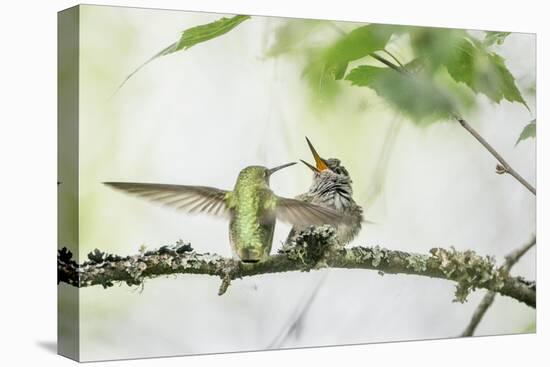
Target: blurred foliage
(443, 69)
(290, 36)
(417, 96)
(326, 65)
(322, 81)
(529, 131)
(440, 73)
(354, 45)
(435, 47)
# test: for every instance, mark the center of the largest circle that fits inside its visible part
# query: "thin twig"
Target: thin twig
(489, 297)
(506, 168)
(298, 317)
(512, 258)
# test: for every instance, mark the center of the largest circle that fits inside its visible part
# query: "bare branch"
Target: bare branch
(513, 257)
(489, 297)
(469, 270)
(505, 167)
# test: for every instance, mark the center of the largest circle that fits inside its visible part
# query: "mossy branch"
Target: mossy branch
(312, 249)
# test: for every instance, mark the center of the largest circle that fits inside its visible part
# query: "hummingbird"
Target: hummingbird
(251, 207)
(331, 188)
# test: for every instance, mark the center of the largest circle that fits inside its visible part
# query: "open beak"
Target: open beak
(275, 169)
(311, 167)
(319, 162)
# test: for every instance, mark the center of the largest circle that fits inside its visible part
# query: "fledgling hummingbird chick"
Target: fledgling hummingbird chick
(331, 188)
(251, 207)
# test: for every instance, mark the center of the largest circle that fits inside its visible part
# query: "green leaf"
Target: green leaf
(484, 72)
(354, 45)
(492, 38)
(359, 43)
(193, 36)
(329, 64)
(206, 32)
(529, 131)
(417, 96)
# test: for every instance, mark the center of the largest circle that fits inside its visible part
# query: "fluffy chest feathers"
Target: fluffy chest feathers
(333, 191)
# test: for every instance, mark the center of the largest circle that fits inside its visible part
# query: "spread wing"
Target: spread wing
(302, 213)
(192, 199)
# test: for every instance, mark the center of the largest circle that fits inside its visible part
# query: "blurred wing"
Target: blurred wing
(192, 199)
(301, 213)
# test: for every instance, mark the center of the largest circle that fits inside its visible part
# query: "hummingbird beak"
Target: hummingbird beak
(311, 167)
(275, 169)
(319, 162)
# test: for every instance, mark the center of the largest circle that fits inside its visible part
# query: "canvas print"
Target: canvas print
(233, 182)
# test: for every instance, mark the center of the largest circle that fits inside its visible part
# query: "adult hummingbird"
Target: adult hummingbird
(251, 207)
(331, 188)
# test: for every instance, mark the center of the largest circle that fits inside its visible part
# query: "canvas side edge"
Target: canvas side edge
(68, 314)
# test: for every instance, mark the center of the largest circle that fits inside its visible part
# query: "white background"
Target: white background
(28, 159)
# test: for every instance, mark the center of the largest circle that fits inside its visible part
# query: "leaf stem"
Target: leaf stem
(387, 63)
(394, 58)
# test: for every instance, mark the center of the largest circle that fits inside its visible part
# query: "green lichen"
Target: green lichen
(417, 262)
(311, 246)
(377, 255)
(469, 270)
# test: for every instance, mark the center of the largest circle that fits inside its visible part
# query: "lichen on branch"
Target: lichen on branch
(312, 249)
